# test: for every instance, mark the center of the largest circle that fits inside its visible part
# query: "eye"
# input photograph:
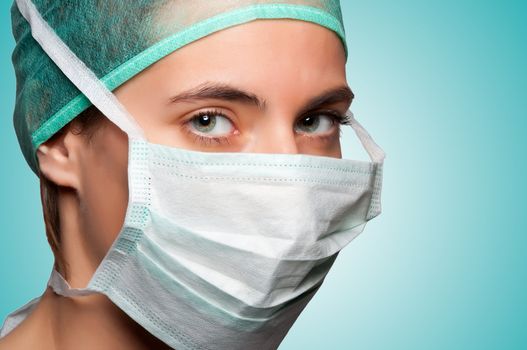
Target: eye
(211, 123)
(315, 124)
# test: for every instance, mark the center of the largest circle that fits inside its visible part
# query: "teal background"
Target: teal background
(441, 85)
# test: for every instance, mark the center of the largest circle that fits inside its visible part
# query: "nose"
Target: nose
(277, 137)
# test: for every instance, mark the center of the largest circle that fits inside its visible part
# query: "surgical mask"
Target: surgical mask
(220, 250)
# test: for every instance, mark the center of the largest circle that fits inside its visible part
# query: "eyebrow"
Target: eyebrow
(222, 91)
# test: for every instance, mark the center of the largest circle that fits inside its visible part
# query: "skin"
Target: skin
(256, 57)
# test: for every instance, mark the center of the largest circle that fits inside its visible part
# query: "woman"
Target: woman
(202, 203)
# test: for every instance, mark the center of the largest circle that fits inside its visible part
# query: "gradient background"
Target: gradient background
(441, 85)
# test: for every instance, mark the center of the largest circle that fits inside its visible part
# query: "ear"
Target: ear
(57, 159)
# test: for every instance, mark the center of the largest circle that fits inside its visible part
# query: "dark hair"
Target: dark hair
(86, 123)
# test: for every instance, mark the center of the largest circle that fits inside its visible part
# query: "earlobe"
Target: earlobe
(57, 161)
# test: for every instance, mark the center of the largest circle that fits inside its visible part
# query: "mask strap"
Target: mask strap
(61, 287)
(77, 72)
(375, 152)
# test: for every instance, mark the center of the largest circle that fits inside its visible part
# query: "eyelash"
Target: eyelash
(221, 140)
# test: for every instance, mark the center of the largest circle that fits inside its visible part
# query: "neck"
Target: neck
(88, 322)
(78, 253)
(92, 322)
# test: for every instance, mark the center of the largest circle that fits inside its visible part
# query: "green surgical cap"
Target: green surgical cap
(117, 39)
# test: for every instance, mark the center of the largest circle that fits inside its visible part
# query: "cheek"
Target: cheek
(328, 148)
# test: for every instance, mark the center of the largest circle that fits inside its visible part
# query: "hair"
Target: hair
(86, 123)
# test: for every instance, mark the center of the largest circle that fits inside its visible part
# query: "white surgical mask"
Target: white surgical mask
(221, 250)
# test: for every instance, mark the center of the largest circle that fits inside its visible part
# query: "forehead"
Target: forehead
(268, 34)
(281, 47)
(269, 31)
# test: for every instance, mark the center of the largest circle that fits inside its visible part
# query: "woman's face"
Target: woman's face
(267, 86)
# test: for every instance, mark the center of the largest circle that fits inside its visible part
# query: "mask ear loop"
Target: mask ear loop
(77, 72)
(88, 83)
(375, 152)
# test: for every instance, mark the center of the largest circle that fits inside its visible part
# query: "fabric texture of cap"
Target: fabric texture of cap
(117, 39)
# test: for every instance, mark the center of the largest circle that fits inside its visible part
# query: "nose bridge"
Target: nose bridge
(275, 135)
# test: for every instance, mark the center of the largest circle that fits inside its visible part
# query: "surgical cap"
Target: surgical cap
(117, 39)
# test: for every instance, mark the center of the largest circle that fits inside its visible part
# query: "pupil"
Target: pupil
(204, 120)
(309, 121)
